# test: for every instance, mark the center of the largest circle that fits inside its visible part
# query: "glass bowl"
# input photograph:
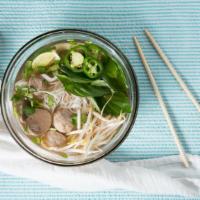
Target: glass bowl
(13, 69)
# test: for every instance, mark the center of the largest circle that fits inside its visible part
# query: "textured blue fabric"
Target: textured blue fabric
(174, 23)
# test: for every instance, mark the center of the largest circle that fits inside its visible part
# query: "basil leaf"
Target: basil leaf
(114, 76)
(75, 77)
(99, 82)
(119, 103)
(83, 89)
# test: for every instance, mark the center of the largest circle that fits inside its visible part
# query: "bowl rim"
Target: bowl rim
(98, 37)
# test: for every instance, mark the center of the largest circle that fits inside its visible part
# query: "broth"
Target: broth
(71, 98)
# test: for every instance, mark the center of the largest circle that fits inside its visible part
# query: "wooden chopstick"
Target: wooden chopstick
(172, 69)
(162, 104)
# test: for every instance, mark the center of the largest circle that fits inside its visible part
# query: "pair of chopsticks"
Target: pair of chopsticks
(158, 94)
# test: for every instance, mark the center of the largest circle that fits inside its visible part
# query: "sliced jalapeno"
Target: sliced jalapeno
(81, 49)
(75, 57)
(92, 67)
(98, 53)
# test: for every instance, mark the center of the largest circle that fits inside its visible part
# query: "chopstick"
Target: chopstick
(172, 69)
(162, 104)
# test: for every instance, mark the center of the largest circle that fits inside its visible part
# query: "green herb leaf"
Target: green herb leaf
(64, 155)
(25, 95)
(119, 103)
(75, 77)
(100, 82)
(28, 70)
(74, 119)
(15, 111)
(50, 101)
(81, 89)
(36, 140)
(114, 76)
(40, 69)
(28, 110)
(21, 92)
(83, 118)
(97, 52)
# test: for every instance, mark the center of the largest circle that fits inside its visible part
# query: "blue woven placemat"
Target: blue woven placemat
(174, 23)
